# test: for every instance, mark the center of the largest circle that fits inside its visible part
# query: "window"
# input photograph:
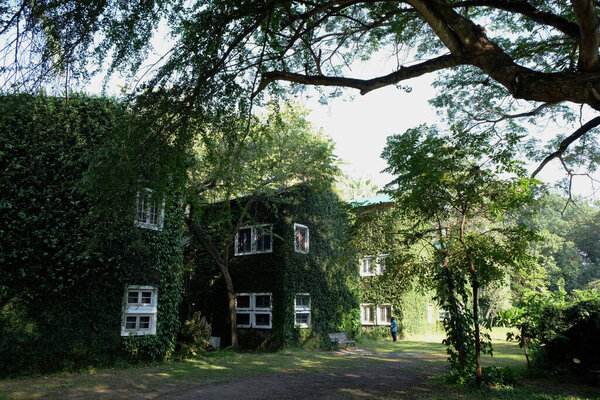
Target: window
(367, 314)
(243, 301)
(253, 310)
(262, 301)
(301, 238)
(149, 214)
(384, 314)
(140, 311)
(371, 265)
(381, 263)
(254, 240)
(302, 310)
(367, 266)
(243, 319)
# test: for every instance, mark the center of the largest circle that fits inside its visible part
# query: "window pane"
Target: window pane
(302, 318)
(263, 301)
(144, 322)
(242, 319)
(262, 319)
(152, 214)
(141, 213)
(244, 244)
(130, 323)
(132, 297)
(302, 301)
(263, 239)
(301, 234)
(243, 301)
(146, 297)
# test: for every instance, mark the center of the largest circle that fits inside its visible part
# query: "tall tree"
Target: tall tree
(235, 171)
(494, 51)
(450, 186)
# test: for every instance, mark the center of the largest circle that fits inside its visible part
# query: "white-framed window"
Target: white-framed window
(254, 310)
(380, 263)
(367, 314)
(148, 214)
(243, 301)
(254, 240)
(301, 239)
(302, 310)
(367, 266)
(384, 314)
(243, 319)
(139, 314)
(372, 265)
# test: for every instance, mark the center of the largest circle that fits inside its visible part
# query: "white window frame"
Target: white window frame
(158, 224)
(302, 309)
(249, 308)
(362, 270)
(267, 228)
(306, 248)
(257, 308)
(250, 316)
(379, 265)
(373, 314)
(253, 310)
(260, 312)
(140, 309)
(380, 319)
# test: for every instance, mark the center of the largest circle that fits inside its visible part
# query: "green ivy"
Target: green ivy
(328, 272)
(69, 248)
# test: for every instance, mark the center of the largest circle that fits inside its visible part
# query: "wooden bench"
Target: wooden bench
(341, 338)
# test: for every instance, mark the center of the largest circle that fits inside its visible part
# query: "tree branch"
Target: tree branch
(590, 37)
(526, 9)
(566, 142)
(364, 85)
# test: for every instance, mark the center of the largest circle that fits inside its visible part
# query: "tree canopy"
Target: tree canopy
(492, 52)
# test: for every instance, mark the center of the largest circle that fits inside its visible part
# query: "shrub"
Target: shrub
(195, 336)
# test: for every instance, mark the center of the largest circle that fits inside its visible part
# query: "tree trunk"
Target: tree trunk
(475, 288)
(475, 285)
(231, 306)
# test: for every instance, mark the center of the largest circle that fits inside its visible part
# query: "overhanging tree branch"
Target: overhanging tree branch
(364, 85)
(566, 142)
(526, 9)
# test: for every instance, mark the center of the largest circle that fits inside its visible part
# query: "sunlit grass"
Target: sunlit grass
(414, 354)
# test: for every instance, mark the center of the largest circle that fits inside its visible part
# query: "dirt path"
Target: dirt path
(398, 376)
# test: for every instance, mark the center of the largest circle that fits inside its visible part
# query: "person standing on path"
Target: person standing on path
(393, 327)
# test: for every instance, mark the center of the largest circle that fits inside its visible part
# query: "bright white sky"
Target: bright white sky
(360, 125)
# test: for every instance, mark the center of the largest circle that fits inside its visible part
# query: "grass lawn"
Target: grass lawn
(416, 355)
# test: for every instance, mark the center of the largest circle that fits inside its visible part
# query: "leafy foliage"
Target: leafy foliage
(195, 336)
(69, 247)
(328, 271)
(560, 330)
(448, 186)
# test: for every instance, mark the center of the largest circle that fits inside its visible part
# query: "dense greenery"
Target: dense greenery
(327, 272)
(504, 64)
(558, 331)
(248, 161)
(69, 247)
(449, 187)
(568, 252)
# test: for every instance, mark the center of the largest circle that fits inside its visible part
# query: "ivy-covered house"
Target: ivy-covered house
(90, 251)
(387, 288)
(292, 269)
